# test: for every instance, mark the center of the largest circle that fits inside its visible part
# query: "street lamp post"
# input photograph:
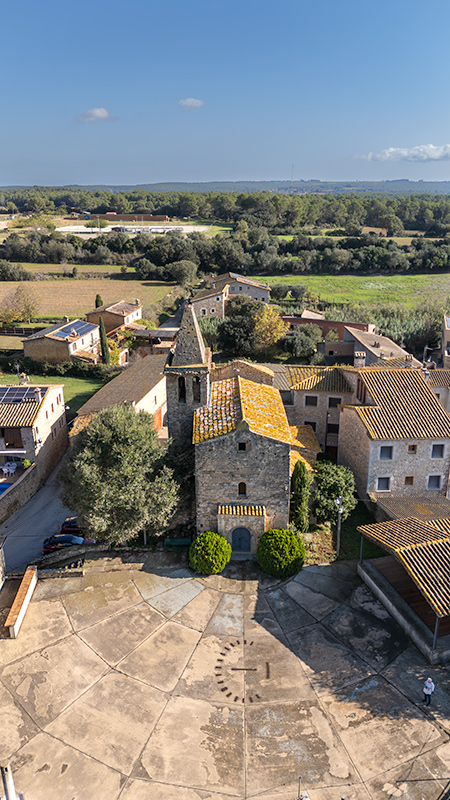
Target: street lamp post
(338, 502)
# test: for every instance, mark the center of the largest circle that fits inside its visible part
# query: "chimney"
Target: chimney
(65, 318)
(137, 302)
(426, 374)
(38, 394)
(359, 359)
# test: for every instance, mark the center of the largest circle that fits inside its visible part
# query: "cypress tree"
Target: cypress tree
(300, 488)
(106, 358)
(98, 301)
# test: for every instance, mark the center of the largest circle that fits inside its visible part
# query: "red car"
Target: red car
(71, 525)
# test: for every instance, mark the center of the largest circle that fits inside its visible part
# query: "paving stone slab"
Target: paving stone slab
(150, 584)
(259, 617)
(377, 642)
(45, 622)
(362, 599)
(172, 601)
(325, 583)
(409, 781)
(197, 744)
(329, 664)
(116, 637)
(111, 720)
(215, 671)
(409, 672)
(199, 611)
(228, 619)
(379, 728)
(292, 739)
(56, 587)
(48, 681)
(342, 570)
(149, 790)
(277, 675)
(96, 603)
(318, 605)
(160, 660)
(356, 791)
(287, 612)
(16, 728)
(46, 768)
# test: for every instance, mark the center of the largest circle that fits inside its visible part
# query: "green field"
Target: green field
(58, 269)
(410, 290)
(77, 391)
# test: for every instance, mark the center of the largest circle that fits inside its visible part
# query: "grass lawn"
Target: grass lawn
(410, 290)
(58, 269)
(77, 391)
(75, 297)
(11, 343)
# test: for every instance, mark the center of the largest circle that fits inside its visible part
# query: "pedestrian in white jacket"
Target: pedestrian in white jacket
(428, 689)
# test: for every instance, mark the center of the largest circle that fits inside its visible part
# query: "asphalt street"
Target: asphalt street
(25, 531)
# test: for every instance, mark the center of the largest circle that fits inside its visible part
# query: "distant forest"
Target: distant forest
(278, 213)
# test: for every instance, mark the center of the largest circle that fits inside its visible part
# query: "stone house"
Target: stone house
(213, 301)
(395, 436)
(141, 385)
(32, 425)
(64, 341)
(116, 315)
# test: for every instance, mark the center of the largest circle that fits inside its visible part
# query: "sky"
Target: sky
(143, 92)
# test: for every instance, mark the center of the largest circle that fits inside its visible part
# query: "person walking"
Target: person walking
(428, 689)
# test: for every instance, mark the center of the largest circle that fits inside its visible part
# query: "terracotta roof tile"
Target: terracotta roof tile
(241, 511)
(320, 379)
(235, 400)
(404, 406)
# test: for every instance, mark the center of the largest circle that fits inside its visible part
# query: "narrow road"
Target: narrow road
(25, 531)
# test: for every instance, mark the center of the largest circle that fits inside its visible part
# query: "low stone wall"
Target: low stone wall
(21, 602)
(19, 493)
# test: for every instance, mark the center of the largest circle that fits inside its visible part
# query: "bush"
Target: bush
(209, 553)
(280, 553)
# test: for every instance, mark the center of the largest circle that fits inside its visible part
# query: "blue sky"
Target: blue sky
(138, 91)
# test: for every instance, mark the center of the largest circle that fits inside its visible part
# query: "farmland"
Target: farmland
(74, 297)
(410, 290)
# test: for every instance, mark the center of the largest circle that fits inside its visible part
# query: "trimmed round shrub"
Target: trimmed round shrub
(209, 553)
(280, 553)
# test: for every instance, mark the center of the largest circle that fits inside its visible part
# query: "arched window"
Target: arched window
(242, 489)
(181, 389)
(196, 388)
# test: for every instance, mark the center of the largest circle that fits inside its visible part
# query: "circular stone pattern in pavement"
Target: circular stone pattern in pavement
(142, 681)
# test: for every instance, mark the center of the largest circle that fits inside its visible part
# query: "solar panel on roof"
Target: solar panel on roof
(16, 394)
(77, 328)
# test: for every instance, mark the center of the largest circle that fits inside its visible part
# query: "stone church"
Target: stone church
(245, 449)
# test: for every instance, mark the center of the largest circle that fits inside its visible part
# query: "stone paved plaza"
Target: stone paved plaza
(140, 681)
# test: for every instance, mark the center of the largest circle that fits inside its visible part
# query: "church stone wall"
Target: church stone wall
(264, 467)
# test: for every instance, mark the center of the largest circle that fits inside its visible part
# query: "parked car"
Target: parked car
(71, 525)
(60, 540)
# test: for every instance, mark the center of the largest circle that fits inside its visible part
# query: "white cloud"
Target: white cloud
(95, 115)
(422, 152)
(191, 102)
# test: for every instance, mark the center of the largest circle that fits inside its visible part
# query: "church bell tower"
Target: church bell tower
(187, 374)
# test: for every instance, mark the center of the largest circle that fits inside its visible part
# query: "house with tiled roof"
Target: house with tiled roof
(116, 315)
(439, 381)
(32, 427)
(213, 300)
(395, 434)
(64, 341)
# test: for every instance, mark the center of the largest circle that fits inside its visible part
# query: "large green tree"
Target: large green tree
(116, 477)
(106, 356)
(333, 481)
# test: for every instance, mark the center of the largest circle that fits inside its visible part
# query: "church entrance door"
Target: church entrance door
(240, 540)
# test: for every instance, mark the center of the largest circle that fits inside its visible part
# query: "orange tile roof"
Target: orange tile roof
(404, 406)
(236, 400)
(319, 379)
(241, 511)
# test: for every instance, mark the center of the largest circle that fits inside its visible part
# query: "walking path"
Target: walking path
(141, 681)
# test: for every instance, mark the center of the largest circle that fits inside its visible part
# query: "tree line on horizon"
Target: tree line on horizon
(280, 213)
